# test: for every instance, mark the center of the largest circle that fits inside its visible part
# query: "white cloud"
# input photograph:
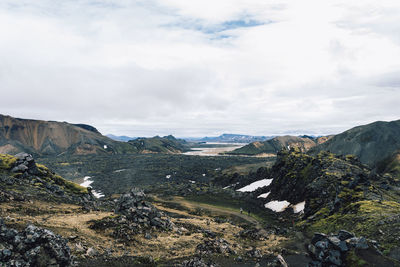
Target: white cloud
(201, 67)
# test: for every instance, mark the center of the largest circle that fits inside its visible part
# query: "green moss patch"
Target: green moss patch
(6, 161)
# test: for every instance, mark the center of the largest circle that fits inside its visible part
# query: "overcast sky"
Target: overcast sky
(201, 67)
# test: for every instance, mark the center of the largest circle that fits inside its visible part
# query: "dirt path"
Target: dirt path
(213, 209)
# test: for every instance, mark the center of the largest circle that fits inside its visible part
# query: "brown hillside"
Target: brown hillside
(50, 137)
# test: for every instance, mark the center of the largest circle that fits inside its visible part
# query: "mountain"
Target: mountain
(233, 138)
(53, 138)
(157, 144)
(376, 144)
(278, 143)
(121, 138)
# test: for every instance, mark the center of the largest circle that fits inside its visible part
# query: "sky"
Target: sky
(201, 67)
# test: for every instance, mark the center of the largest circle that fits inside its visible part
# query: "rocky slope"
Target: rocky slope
(49, 221)
(375, 144)
(54, 138)
(271, 147)
(22, 179)
(339, 193)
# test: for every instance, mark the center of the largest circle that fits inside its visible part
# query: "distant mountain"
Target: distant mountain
(157, 144)
(53, 138)
(376, 144)
(278, 143)
(232, 138)
(122, 138)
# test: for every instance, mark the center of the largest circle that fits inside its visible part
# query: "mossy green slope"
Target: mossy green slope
(340, 193)
(43, 184)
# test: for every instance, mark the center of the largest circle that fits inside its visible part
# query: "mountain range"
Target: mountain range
(40, 137)
(231, 138)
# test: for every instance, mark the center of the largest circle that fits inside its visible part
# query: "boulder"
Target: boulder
(215, 246)
(33, 246)
(332, 250)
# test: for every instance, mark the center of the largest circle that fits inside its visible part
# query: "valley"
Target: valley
(212, 149)
(113, 174)
(197, 204)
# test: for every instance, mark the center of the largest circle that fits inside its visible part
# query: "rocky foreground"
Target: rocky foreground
(49, 221)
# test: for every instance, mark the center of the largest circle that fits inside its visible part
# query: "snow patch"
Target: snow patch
(87, 182)
(253, 186)
(168, 176)
(265, 195)
(119, 170)
(105, 147)
(299, 207)
(277, 206)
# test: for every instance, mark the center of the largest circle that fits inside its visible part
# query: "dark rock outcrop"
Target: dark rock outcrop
(134, 216)
(325, 180)
(197, 262)
(215, 246)
(134, 207)
(332, 250)
(33, 246)
(22, 179)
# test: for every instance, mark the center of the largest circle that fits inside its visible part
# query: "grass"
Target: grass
(225, 202)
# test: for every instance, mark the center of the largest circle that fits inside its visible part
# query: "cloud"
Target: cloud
(201, 67)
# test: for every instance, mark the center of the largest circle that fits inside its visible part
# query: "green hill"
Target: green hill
(167, 144)
(276, 144)
(376, 144)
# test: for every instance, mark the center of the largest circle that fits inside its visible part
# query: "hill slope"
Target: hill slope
(157, 144)
(53, 138)
(375, 144)
(278, 143)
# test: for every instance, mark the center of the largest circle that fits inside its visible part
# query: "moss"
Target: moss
(71, 186)
(353, 260)
(344, 182)
(7, 161)
(363, 218)
(378, 207)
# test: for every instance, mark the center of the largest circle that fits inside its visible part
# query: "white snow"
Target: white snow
(265, 195)
(253, 186)
(204, 174)
(299, 207)
(226, 187)
(277, 206)
(105, 147)
(168, 176)
(193, 182)
(87, 183)
(119, 170)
